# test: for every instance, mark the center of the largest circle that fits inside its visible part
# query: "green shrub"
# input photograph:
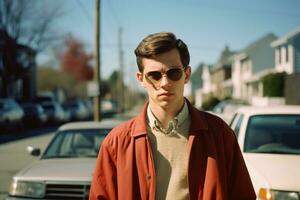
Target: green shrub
(209, 103)
(273, 84)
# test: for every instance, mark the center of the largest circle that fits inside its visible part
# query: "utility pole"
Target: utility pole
(97, 77)
(121, 98)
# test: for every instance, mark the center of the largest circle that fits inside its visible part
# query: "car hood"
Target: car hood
(277, 171)
(71, 169)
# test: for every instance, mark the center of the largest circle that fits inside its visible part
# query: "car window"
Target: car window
(237, 127)
(273, 134)
(76, 143)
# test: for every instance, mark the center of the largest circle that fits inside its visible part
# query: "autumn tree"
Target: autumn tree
(76, 61)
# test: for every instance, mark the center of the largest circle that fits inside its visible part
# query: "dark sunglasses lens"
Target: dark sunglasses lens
(174, 74)
(155, 75)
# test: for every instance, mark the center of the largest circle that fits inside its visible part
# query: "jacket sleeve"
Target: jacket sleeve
(104, 182)
(239, 181)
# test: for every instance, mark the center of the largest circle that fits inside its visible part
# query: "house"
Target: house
(194, 83)
(250, 65)
(287, 52)
(221, 75)
(204, 90)
(287, 59)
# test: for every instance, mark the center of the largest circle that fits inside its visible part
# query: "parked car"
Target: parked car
(225, 109)
(64, 170)
(269, 138)
(54, 112)
(11, 114)
(78, 110)
(34, 114)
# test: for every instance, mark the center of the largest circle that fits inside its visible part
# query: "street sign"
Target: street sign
(93, 89)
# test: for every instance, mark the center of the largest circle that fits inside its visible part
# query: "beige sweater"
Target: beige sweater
(169, 148)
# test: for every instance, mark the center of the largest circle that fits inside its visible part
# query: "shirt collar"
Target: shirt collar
(173, 125)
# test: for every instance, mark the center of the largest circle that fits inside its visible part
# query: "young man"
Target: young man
(171, 150)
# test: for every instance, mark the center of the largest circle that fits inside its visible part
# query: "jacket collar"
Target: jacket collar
(198, 121)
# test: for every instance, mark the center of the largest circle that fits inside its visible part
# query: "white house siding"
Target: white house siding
(290, 45)
(207, 84)
(291, 56)
(284, 59)
(198, 98)
(187, 92)
(297, 54)
(236, 78)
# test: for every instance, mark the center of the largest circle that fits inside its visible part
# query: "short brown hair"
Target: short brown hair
(159, 43)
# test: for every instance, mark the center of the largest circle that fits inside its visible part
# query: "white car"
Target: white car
(269, 138)
(226, 109)
(64, 170)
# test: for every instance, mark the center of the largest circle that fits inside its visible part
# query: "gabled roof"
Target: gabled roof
(261, 41)
(224, 59)
(286, 38)
(252, 48)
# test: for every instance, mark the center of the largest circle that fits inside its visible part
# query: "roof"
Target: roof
(261, 41)
(224, 59)
(286, 38)
(106, 123)
(258, 110)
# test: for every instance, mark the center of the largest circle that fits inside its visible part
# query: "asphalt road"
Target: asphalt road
(14, 157)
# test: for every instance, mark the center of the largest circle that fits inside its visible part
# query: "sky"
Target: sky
(205, 26)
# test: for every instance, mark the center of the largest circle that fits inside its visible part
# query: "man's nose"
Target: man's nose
(164, 81)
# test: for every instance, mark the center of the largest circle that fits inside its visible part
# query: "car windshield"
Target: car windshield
(279, 134)
(76, 143)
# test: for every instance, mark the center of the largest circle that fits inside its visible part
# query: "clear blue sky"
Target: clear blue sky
(205, 26)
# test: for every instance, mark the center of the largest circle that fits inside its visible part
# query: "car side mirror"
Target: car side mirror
(34, 151)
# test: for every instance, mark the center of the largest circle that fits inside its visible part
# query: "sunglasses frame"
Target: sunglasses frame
(164, 73)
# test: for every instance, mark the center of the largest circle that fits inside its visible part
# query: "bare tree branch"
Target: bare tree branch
(28, 22)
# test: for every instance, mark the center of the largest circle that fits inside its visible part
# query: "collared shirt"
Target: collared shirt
(169, 149)
(173, 126)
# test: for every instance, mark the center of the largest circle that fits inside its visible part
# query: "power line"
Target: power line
(236, 8)
(113, 14)
(85, 11)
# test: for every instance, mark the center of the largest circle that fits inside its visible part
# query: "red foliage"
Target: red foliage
(76, 61)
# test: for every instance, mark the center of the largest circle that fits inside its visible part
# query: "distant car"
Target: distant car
(34, 114)
(225, 109)
(54, 111)
(64, 171)
(11, 114)
(269, 138)
(77, 109)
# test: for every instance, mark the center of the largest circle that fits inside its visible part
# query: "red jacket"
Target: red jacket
(125, 167)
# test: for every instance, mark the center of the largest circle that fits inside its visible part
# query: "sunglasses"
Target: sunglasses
(174, 74)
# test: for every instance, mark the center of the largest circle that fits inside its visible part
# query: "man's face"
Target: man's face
(164, 77)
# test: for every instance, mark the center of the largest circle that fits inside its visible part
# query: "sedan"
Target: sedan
(64, 170)
(269, 138)
(11, 114)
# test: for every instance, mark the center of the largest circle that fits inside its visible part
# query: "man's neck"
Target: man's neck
(166, 113)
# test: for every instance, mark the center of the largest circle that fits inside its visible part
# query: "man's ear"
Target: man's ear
(188, 73)
(140, 78)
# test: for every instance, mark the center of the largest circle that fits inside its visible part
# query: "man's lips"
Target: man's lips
(166, 94)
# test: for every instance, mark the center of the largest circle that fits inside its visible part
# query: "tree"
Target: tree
(26, 27)
(76, 61)
(30, 22)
